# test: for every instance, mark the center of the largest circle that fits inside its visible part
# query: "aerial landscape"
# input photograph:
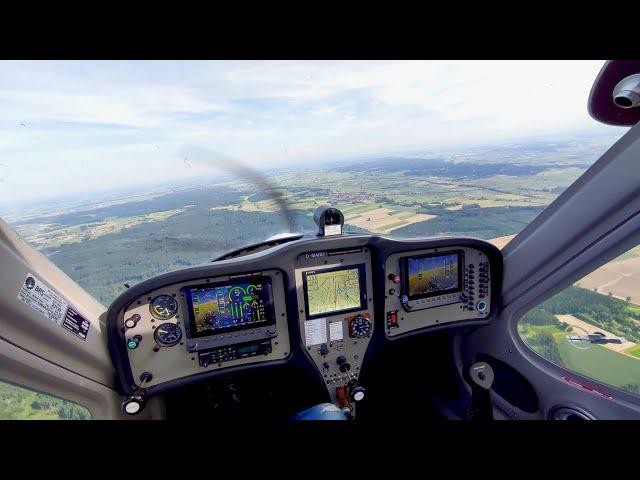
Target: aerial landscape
(484, 193)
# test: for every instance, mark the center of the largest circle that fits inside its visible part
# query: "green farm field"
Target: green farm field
(597, 362)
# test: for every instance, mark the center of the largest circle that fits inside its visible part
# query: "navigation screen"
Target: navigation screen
(229, 306)
(335, 290)
(433, 275)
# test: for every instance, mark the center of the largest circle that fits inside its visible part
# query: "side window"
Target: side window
(18, 403)
(593, 326)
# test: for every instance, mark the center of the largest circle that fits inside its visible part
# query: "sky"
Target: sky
(83, 126)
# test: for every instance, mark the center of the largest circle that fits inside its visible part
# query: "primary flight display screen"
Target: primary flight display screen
(334, 290)
(230, 306)
(432, 275)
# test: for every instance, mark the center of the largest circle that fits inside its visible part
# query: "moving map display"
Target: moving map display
(334, 290)
(232, 306)
(433, 275)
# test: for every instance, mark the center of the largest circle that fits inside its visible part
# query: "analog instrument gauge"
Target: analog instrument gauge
(359, 327)
(168, 334)
(163, 307)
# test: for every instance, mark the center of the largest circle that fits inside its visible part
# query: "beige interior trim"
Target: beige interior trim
(29, 330)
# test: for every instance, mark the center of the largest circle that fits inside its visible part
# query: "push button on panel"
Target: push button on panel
(394, 277)
(133, 342)
(132, 321)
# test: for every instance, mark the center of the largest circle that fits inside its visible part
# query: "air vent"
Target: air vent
(571, 414)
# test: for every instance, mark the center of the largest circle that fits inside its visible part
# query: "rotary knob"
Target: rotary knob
(343, 365)
(134, 404)
(357, 392)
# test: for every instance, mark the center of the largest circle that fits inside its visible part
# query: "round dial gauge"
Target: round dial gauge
(359, 327)
(168, 334)
(163, 307)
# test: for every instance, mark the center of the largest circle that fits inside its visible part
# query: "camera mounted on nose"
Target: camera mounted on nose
(329, 220)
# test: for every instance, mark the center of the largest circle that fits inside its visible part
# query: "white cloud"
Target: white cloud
(104, 123)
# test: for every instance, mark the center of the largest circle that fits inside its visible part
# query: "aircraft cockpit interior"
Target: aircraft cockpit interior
(313, 318)
(499, 283)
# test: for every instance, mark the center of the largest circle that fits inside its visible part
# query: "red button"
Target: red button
(396, 279)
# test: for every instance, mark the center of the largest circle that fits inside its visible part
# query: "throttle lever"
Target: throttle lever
(480, 376)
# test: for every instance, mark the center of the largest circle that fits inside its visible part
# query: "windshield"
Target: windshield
(118, 171)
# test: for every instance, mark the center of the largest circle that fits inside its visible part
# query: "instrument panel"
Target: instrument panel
(316, 304)
(206, 324)
(336, 289)
(430, 287)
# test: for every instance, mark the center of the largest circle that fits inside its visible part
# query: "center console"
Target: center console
(334, 290)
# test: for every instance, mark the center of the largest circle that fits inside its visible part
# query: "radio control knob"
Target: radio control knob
(343, 364)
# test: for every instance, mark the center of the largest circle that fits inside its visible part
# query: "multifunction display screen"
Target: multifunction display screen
(334, 290)
(432, 275)
(234, 305)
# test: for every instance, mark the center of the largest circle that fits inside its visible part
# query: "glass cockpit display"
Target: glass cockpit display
(234, 305)
(334, 290)
(432, 275)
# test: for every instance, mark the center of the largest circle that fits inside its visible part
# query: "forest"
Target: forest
(609, 313)
(17, 403)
